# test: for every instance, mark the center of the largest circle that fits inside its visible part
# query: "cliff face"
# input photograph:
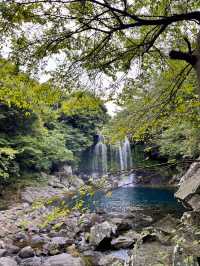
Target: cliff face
(189, 189)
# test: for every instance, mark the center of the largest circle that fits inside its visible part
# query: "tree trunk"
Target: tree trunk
(197, 64)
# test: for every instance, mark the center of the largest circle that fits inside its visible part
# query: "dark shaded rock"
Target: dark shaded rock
(63, 260)
(3, 252)
(7, 261)
(26, 252)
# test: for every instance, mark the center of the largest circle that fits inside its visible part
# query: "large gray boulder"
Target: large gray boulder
(7, 261)
(63, 260)
(101, 231)
(189, 190)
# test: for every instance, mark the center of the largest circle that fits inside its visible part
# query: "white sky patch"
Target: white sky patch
(112, 108)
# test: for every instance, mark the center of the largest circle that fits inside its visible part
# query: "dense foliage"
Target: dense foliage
(164, 117)
(43, 138)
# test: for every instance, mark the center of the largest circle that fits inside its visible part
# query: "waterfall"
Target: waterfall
(126, 152)
(115, 157)
(121, 159)
(99, 165)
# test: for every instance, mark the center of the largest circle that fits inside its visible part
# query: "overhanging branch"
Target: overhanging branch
(191, 59)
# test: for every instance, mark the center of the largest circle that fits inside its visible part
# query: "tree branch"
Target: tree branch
(191, 59)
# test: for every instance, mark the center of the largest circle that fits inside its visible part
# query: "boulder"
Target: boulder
(102, 231)
(63, 260)
(190, 187)
(7, 261)
(26, 252)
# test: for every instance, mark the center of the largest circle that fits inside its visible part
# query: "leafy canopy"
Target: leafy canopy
(108, 36)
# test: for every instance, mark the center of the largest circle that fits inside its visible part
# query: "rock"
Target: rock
(122, 242)
(30, 194)
(57, 245)
(152, 254)
(189, 186)
(191, 218)
(87, 220)
(64, 173)
(181, 259)
(101, 231)
(51, 249)
(35, 261)
(67, 169)
(3, 252)
(37, 241)
(129, 220)
(26, 252)
(12, 249)
(75, 182)
(194, 202)
(55, 182)
(167, 224)
(63, 260)
(7, 261)
(126, 240)
(122, 224)
(70, 228)
(61, 241)
(110, 260)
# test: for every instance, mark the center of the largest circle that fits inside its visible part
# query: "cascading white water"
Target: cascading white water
(121, 159)
(126, 154)
(118, 155)
(100, 157)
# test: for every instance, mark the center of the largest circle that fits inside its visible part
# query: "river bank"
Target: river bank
(37, 233)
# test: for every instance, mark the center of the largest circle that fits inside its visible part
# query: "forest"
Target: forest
(99, 133)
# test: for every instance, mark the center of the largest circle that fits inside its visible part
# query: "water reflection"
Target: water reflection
(125, 197)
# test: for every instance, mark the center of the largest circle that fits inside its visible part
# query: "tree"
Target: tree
(105, 35)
